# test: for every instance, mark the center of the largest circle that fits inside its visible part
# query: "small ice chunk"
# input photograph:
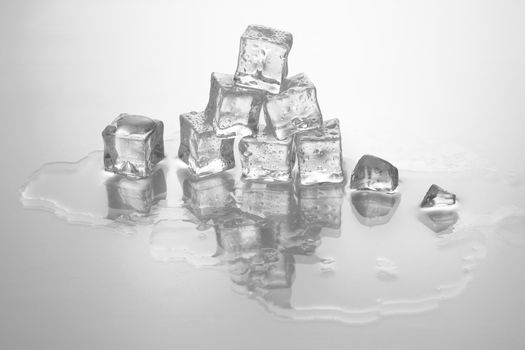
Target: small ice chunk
(267, 200)
(373, 173)
(440, 221)
(209, 197)
(319, 155)
(266, 159)
(374, 208)
(438, 197)
(201, 149)
(295, 109)
(233, 110)
(133, 145)
(321, 205)
(263, 58)
(134, 196)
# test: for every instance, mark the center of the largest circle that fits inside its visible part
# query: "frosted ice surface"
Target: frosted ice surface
(134, 196)
(320, 205)
(233, 110)
(293, 110)
(263, 58)
(373, 173)
(440, 221)
(133, 145)
(266, 159)
(201, 149)
(438, 197)
(319, 155)
(209, 197)
(267, 200)
(374, 208)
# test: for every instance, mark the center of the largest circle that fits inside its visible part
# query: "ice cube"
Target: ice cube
(373, 173)
(233, 110)
(263, 58)
(267, 200)
(133, 145)
(201, 149)
(319, 155)
(438, 197)
(266, 159)
(209, 197)
(374, 208)
(127, 197)
(321, 205)
(440, 221)
(293, 110)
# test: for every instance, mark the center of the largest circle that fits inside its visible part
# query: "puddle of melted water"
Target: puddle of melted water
(316, 253)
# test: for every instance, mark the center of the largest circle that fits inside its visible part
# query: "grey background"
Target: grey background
(396, 73)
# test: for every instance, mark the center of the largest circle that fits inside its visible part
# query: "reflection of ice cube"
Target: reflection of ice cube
(267, 200)
(296, 238)
(233, 110)
(209, 197)
(295, 109)
(263, 58)
(201, 149)
(373, 173)
(321, 204)
(133, 145)
(134, 196)
(438, 197)
(319, 155)
(374, 208)
(439, 221)
(264, 158)
(272, 269)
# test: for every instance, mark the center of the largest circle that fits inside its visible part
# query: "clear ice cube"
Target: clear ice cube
(209, 197)
(201, 149)
(267, 200)
(266, 159)
(321, 205)
(374, 173)
(263, 58)
(438, 197)
(374, 208)
(293, 110)
(319, 155)
(233, 110)
(133, 145)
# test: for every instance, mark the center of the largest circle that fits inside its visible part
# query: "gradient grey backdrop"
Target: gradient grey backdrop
(451, 71)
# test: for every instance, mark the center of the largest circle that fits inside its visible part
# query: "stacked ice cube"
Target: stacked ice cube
(293, 127)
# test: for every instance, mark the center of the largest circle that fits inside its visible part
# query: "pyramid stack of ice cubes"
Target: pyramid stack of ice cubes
(292, 129)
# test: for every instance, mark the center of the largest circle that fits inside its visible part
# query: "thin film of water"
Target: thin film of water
(310, 254)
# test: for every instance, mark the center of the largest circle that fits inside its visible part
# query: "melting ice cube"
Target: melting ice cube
(293, 110)
(201, 149)
(233, 110)
(373, 173)
(319, 155)
(438, 197)
(133, 145)
(263, 58)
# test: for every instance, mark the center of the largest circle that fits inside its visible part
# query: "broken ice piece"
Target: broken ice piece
(201, 149)
(321, 205)
(209, 197)
(133, 145)
(374, 208)
(266, 159)
(263, 58)
(267, 200)
(373, 173)
(438, 197)
(293, 110)
(441, 221)
(127, 197)
(231, 109)
(319, 155)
